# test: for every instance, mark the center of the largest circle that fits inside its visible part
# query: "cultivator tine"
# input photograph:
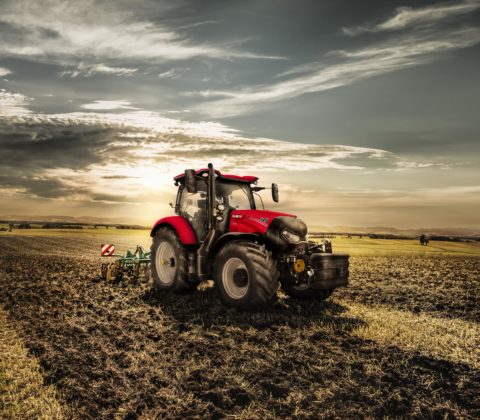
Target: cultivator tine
(108, 271)
(103, 270)
(147, 272)
(117, 274)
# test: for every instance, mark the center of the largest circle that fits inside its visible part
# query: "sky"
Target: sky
(365, 113)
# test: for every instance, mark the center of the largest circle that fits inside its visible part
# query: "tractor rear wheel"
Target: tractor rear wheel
(245, 275)
(169, 262)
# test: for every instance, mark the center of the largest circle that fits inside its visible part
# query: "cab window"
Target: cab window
(235, 196)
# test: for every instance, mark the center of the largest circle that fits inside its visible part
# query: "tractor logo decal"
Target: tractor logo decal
(108, 250)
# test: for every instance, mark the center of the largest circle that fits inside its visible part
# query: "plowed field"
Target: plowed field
(401, 340)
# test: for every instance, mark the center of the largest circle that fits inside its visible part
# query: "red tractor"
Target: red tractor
(219, 233)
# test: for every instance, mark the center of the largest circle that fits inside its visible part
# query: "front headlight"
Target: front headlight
(291, 237)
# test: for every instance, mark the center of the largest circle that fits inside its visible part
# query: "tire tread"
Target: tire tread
(181, 283)
(265, 277)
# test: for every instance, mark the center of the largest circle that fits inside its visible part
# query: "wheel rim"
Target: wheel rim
(235, 278)
(165, 263)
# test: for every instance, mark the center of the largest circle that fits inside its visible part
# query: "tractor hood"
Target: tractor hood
(282, 231)
(254, 221)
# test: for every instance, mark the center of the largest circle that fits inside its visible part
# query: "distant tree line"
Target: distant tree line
(60, 226)
(129, 227)
(393, 236)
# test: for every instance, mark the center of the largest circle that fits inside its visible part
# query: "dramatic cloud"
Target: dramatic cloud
(83, 155)
(129, 158)
(136, 138)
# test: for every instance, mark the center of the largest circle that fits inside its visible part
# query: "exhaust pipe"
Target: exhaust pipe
(203, 251)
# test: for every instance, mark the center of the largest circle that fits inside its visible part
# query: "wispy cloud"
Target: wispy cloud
(426, 39)
(405, 17)
(108, 105)
(87, 70)
(60, 31)
(406, 165)
(174, 73)
(351, 66)
(196, 24)
(4, 71)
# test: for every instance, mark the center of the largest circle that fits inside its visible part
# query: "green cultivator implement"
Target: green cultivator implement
(133, 265)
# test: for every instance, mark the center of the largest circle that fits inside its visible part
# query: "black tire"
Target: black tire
(306, 293)
(254, 279)
(172, 275)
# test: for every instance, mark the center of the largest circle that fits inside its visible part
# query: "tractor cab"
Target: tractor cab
(232, 193)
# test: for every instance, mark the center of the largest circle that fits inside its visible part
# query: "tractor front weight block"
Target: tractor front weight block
(331, 270)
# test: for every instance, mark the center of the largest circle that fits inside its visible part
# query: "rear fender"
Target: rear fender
(182, 228)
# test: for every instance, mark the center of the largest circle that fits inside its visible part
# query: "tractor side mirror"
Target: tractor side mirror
(190, 181)
(275, 193)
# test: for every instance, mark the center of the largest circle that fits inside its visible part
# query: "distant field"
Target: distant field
(85, 242)
(402, 340)
(38, 231)
(366, 246)
(354, 246)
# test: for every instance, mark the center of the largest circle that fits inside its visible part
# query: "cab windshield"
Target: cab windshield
(235, 196)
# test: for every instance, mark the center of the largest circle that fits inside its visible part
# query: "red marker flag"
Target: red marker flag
(108, 250)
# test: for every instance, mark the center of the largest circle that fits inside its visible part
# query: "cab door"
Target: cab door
(193, 207)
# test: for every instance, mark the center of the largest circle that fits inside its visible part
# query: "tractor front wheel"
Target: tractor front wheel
(245, 275)
(169, 262)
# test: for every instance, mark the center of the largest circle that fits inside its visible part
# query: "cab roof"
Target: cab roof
(247, 179)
